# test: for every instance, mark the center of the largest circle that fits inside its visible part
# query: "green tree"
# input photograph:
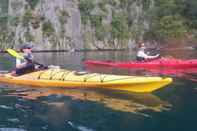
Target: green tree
(120, 26)
(167, 20)
(33, 3)
(47, 28)
(170, 27)
(86, 7)
(27, 17)
(190, 13)
(96, 20)
(166, 7)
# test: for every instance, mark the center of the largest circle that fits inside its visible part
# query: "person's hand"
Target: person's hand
(20, 65)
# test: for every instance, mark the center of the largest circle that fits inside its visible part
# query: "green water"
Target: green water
(172, 108)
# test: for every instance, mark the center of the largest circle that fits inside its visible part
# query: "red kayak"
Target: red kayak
(158, 63)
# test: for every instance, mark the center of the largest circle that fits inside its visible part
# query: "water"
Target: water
(38, 109)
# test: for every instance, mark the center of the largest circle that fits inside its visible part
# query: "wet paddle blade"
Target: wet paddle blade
(14, 53)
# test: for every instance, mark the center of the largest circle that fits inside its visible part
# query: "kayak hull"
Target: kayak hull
(69, 79)
(158, 63)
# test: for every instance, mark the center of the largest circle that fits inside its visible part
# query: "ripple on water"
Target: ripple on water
(6, 107)
(12, 129)
(79, 127)
(14, 120)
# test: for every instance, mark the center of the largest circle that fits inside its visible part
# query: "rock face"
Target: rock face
(52, 24)
(16, 7)
(65, 18)
(59, 24)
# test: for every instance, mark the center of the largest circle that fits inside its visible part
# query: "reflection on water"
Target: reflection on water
(116, 100)
(72, 109)
(39, 109)
(11, 129)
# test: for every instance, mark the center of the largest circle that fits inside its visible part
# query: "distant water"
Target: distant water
(172, 108)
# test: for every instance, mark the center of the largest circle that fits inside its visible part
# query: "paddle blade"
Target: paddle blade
(14, 53)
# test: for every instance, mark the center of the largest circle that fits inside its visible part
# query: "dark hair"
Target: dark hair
(140, 44)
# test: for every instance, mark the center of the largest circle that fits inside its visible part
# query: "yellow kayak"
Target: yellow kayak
(70, 79)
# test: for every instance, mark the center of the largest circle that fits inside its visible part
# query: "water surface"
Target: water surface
(39, 109)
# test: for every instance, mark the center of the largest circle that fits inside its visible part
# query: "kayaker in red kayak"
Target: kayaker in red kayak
(25, 65)
(142, 56)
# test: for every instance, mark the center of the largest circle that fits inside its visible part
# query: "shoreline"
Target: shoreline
(90, 50)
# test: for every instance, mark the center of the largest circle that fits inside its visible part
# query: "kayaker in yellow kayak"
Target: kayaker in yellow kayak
(26, 64)
(142, 56)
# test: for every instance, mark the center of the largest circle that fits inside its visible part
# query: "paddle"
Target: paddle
(17, 55)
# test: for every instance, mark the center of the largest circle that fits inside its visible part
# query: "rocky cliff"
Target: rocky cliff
(85, 24)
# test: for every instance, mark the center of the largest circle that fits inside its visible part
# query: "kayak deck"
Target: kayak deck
(65, 78)
(158, 63)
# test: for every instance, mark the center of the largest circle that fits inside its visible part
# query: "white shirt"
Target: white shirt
(142, 54)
